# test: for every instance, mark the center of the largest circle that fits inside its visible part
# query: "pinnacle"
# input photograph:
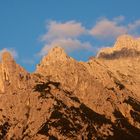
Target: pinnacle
(57, 52)
(7, 61)
(7, 57)
(124, 37)
(125, 45)
(126, 41)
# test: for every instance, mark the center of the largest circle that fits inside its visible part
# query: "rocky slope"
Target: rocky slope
(69, 100)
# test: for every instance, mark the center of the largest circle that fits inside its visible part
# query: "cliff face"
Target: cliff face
(12, 76)
(66, 99)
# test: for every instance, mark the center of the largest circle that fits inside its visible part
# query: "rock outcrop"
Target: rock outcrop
(65, 99)
(126, 46)
(12, 76)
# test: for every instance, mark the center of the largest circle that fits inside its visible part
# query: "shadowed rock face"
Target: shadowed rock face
(123, 53)
(65, 99)
(125, 46)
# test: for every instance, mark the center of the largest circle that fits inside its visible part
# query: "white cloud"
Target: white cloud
(67, 34)
(108, 29)
(68, 44)
(12, 51)
(70, 29)
(64, 35)
(133, 28)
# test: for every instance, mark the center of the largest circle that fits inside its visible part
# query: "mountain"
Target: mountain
(69, 100)
(125, 46)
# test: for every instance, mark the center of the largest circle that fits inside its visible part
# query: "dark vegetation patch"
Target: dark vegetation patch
(133, 103)
(56, 114)
(124, 129)
(65, 126)
(135, 115)
(70, 95)
(64, 122)
(92, 116)
(71, 121)
(3, 130)
(52, 137)
(44, 129)
(75, 99)
(119, 84)
(45, 87)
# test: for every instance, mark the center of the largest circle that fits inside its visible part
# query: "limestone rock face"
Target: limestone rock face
(56, 53)
(123, 60)
(125, 46)
(61, 65)
(69, 100)
(11, 74)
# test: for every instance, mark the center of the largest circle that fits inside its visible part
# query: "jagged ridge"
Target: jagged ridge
(66, 99)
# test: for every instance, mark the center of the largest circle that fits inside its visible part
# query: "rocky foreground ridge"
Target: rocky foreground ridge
(69, 100)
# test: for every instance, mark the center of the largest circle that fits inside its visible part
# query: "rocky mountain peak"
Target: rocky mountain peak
(125, 46)
(10, 73)
(6, 56)
(55, 54)
(126, 41)
(7, 61)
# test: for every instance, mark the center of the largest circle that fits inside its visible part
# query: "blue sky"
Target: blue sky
(28, 28)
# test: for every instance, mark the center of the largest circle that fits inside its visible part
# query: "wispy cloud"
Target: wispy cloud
(133, 27)
(106, 29)
(69, 29)
(65, 35)
(68, 44)
(12, 51)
